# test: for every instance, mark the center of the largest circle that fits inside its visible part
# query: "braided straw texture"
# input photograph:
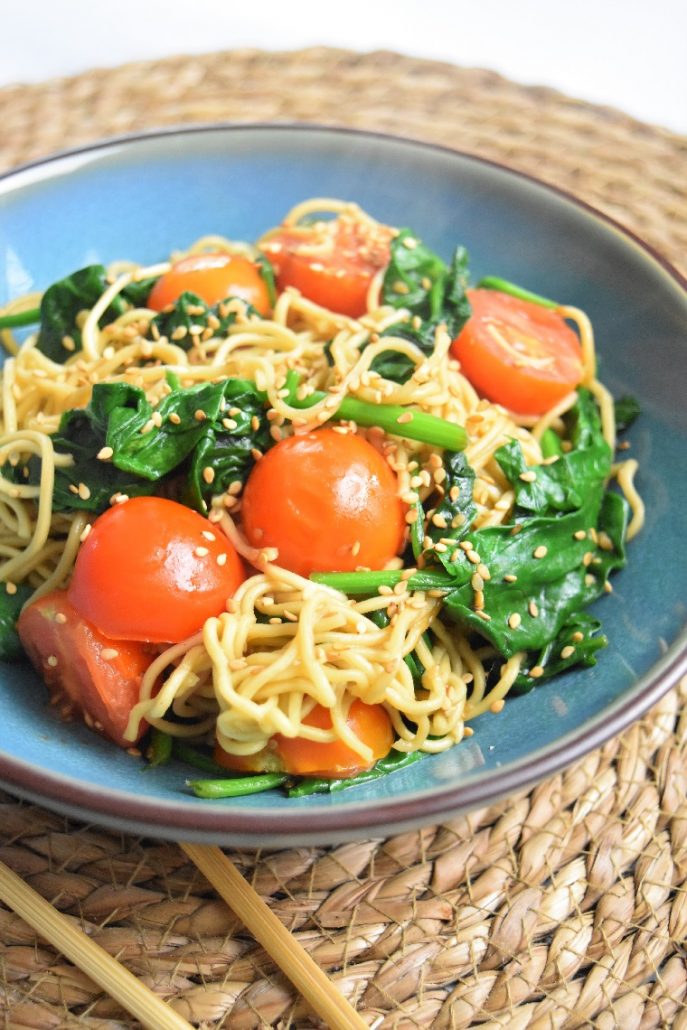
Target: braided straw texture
(562, 907)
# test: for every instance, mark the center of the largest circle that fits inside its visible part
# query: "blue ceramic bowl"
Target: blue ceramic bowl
(142, 198)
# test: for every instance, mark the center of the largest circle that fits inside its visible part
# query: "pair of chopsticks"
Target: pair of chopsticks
(154, 1013)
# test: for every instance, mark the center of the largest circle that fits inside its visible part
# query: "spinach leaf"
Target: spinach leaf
(393, 761)
(627, 409)
(208, 424)
(10, 607)
(186, 321)
(418, 280)
(62, 302)
(455, 512)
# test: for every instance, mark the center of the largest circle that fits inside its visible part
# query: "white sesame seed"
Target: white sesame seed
(201, 552)
(540, 552)
(105, 453)
(109, 653)
(568, 651)
(514, 620)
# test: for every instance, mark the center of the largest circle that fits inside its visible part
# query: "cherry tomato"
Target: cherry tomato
(151, 569)
(302, 757)
(518, 354)
(85, 672)
(327, 501)
(331, 262)
(213, 277)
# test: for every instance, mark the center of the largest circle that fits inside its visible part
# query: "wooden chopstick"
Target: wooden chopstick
(312, 982)
(109, 974)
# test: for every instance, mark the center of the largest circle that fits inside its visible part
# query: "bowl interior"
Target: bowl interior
(143, 198)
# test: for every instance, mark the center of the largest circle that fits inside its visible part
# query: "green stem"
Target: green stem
(367, 583)
(491, 282)
(390, 417)
(550, 443)
(236, 787)
(160, 749)
(21, 318)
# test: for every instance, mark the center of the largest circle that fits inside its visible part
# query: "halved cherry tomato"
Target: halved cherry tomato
(213, 277)
(85, 672)
(331, 262)
(327, 501)
(151, 569)
(518, 354)
(302, 757)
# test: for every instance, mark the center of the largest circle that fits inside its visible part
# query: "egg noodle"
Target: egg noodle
(285, 643)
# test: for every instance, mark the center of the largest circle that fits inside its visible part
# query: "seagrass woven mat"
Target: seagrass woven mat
(562, 907)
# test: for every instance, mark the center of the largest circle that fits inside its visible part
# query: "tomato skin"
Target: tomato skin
(497, 372)
(331, 263)
(84, 671)
(148, 571)
(213, 277)
(327, 501)
(335, 760)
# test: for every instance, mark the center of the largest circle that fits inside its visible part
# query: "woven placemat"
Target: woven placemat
(562, 907)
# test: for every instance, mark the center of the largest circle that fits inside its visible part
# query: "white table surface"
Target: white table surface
(631, 55)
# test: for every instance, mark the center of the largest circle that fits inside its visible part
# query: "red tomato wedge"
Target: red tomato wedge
(518, 354)
(327, 501)
(213, 277)
(334, 760)
(86, 673)
(331, 262)
(153, 570)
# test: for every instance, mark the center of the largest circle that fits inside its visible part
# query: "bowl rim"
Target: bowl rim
(189, 817)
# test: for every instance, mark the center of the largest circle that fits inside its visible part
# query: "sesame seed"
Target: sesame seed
(497, 706)
(105, 453)
(510, 578)
(229, 423)
(579, 534)
(355, 548)
(147, 428)
(484, 571)
(84, 492)
(256, 453)
(199, 415)
(221, 559)
(577, 636)
(514, 620)
(51, 661)
(478, 600)
(411, 516)
(568, 651)
(533, 609)
(604, 541)
(477, 583)
(208, 535)
(540, 552)
(484, 616)
(528, 477)
(255, 423)
(174, 418)
(274, 621)
(61, 618)
(608, 587)
(109, 653)
(10, 587)
(406, 417)
(536, 671)
(384, 591)
(587, 558)
(68, 343)
(400, 287)
(439, 521)
(473, 556)
(468, 731)
(156, 419)
(180, 332)
(590, 580)
(209, 474)
(73, 489)
(201, 552)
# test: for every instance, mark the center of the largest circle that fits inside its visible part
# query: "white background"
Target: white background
(629, 54)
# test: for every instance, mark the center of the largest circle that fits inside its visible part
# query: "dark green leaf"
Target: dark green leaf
(627, 409)
(394, 760)
(10, 608)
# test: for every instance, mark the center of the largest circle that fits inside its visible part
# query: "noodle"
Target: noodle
(286, 644)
